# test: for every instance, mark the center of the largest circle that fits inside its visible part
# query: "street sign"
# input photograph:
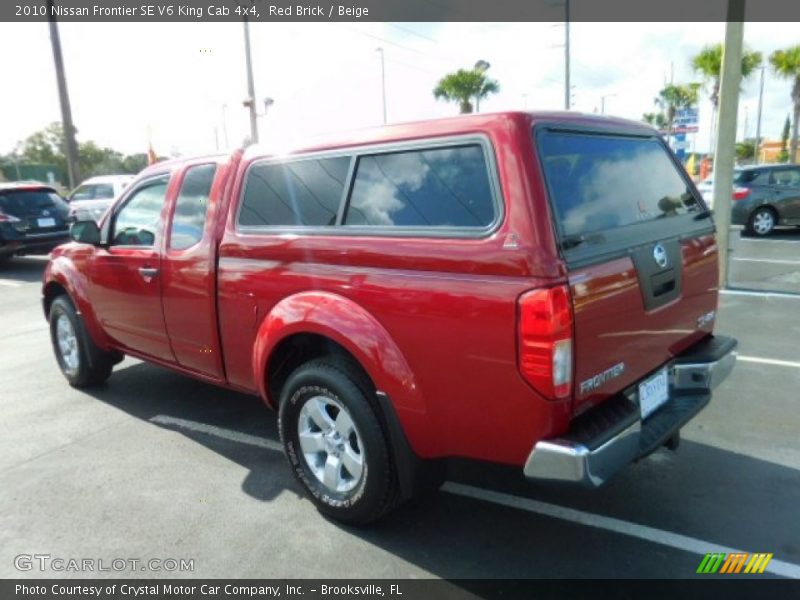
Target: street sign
(686, 117)
(680, 146)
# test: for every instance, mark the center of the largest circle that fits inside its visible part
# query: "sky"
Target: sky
(180, 86)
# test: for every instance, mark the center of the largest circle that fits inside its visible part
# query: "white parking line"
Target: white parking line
(777, 261)
(9, 283)
(234, 436)
(643, 532)
(754, 293)
(768, 361)
(761, 241)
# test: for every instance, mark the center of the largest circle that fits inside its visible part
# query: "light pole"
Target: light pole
(481, 66)
(250, 102)
(758, 118)
(603, 103)
(383, 81)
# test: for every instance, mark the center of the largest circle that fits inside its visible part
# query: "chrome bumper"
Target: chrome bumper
(568, 460)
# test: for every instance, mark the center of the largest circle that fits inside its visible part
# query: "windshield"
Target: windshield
(93, 191)
(602, 182)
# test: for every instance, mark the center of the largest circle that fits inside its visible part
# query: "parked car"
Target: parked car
(491, 287)
(33, 218)
(93, 197)
(765, 197)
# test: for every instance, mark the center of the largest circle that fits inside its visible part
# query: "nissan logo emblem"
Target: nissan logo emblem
(660, 256)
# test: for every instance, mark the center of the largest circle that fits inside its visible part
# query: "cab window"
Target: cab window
(191, 206)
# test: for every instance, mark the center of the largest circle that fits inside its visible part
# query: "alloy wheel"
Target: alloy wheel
(331, 444)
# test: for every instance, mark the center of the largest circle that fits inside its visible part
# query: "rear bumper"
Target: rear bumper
(612, 435)
(34, 242)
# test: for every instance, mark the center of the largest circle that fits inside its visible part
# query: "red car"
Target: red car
(534, 289)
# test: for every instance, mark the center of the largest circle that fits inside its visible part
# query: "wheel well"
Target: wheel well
(769, 207)
(52, 291)
(298, 349)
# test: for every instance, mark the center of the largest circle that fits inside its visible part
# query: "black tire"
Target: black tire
(333, 383)
(94, 365)
(758, 218)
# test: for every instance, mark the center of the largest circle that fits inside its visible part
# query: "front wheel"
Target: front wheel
(335, 444)
(80, 360)
(762, 221)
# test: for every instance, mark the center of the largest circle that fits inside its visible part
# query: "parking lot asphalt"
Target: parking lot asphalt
(155, 465)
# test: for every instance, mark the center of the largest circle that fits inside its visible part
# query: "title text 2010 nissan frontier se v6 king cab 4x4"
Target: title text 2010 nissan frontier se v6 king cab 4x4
(534, 289)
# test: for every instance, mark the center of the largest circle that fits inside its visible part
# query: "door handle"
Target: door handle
(148, 273)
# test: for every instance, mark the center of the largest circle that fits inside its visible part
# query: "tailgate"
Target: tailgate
(640, 251)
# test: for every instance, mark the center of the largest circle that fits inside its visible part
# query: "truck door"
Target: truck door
(126, 286)
(189, 273)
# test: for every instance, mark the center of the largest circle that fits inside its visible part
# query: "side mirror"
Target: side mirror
(85, 232)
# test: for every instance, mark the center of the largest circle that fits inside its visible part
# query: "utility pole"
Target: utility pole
(726, 132)
(567, 88)
(251, 94)
(383, 82)
(758, 118)
(71, 147)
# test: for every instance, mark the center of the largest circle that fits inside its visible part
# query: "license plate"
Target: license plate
(46, 222)
(653, 393)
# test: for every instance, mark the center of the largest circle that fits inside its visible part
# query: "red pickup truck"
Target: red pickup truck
(534, 289)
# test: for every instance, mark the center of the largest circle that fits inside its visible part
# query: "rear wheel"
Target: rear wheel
(335, 444)
(762, 221)
(80, 360)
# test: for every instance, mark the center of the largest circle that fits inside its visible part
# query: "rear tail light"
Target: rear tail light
(740, 193)
(545, 341)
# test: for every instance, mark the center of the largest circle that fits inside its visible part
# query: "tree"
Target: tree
(656, 119)
(746, 150)
(47, 147)
(786, 64)
(783, 155)
(464, 86)
(708, 63)
(673, 98)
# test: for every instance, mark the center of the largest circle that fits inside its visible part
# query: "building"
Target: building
(771, 149)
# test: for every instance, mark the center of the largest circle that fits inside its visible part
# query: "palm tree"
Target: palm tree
(465, 85)
(673, 98)
(786, 64)
(657, 120)
(708, 63)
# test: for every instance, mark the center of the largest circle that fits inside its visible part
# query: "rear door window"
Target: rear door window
(786, 177)
(599, 183)
(424, 188)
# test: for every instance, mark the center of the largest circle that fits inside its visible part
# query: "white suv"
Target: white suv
(91, 198)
